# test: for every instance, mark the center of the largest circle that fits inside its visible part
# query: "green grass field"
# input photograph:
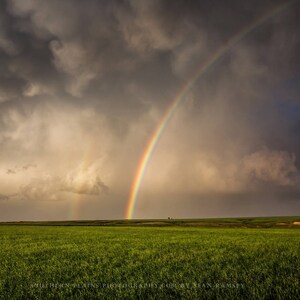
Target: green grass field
(93, 262)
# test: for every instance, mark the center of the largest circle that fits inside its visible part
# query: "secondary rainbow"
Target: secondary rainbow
(186, 86)
(85, 163)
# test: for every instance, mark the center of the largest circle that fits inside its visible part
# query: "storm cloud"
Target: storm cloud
(83, 85)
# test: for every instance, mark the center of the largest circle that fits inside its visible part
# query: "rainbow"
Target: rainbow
(186, 86)
(84, 165)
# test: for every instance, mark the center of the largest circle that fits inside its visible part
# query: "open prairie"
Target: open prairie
(126, 126)
(142, 262)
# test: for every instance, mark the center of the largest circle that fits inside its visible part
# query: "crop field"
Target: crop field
(140, 262)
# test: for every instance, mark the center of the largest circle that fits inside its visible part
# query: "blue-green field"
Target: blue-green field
(98, 262)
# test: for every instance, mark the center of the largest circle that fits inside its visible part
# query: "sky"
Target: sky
(84, 84)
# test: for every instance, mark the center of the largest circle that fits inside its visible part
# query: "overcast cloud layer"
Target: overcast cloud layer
(84, 83)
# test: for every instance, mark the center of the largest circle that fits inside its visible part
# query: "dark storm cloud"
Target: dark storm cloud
(83, 83)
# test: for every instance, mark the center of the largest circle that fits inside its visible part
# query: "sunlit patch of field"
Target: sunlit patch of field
(93, 262)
